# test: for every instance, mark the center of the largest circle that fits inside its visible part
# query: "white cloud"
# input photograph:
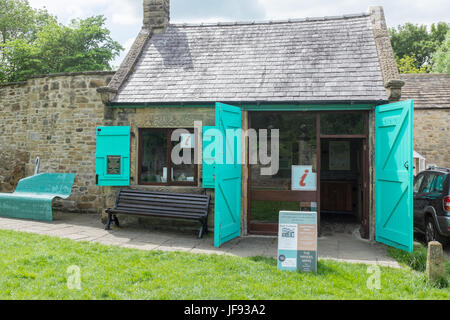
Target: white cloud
(397, 12)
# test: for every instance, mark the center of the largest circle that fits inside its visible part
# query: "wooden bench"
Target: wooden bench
(159, 204)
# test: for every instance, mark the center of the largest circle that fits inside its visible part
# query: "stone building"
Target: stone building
(326, 83)
(320, 79)
(431, 95)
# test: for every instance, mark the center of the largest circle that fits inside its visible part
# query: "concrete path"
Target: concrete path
(339, 246)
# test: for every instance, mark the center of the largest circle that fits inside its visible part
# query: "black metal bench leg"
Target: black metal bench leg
(108, 223)
(203, 229)
(116, 220)
(200, 235)
(206, 227)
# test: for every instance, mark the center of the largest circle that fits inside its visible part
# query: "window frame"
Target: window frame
(168, 132)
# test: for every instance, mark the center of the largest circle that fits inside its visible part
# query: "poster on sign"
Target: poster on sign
(297, 241)
(303, 178)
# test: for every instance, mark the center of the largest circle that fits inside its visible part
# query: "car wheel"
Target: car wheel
(432, 233)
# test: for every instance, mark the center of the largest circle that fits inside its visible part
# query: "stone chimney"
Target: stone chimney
(156, 15)
(389, 68)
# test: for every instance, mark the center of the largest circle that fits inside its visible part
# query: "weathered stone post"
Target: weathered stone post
(435, 262)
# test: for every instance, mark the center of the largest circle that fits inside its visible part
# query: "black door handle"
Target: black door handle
(406, 165)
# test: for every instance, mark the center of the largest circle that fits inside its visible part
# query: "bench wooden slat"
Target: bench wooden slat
(133, 199)
(153, 193)
(200, 211)
(159, 203)
(155, 214)
(149, 196)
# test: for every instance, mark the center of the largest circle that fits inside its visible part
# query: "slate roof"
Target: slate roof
(427, 90)
(311, 60)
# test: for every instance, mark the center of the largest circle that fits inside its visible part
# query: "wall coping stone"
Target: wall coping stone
(55, 75)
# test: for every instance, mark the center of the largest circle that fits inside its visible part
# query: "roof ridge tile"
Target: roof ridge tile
(268, 22)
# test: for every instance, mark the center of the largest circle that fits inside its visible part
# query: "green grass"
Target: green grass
(35, 267)
(417, 260)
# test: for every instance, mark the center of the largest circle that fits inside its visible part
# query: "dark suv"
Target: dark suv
(432, 204)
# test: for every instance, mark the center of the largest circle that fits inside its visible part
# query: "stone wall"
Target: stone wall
(431, 135)
(12, 168)
(54, 117)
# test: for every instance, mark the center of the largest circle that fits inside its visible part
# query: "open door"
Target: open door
(227, 182)
(394, 174)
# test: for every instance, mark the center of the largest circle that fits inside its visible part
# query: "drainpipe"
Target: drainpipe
(37, 165)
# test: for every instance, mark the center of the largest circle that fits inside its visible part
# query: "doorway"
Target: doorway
(342, 186)
(333, 146)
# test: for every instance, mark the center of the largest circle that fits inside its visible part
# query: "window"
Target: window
(418, 183)
(427, 183)
(268, 211)
(342, 123)
(438, 185)
(297, 147)
(155, 161)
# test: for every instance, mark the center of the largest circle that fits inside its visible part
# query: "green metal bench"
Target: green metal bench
(34, 195)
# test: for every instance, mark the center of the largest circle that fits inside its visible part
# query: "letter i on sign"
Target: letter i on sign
(188, 142)
(303, 178)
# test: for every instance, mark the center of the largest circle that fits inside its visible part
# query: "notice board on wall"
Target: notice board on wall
(339, 157)
(297, 241)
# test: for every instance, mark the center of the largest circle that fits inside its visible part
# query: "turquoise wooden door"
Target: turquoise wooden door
(394, 174)
(227, 211)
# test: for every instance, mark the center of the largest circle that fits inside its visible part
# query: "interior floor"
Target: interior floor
(332, 223)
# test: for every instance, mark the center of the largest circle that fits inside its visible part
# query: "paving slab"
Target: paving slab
(344, 246)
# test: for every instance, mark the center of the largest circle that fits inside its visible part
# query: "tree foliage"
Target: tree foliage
(20, 21)
(408, 64)
(441, 59)
(418, 42)
(33, 42)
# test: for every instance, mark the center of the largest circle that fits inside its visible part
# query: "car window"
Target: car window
(417, 182)
(438, 184)
(427, 183)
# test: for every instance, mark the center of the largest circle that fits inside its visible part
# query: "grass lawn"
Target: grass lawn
(35, 267)
(417, 260)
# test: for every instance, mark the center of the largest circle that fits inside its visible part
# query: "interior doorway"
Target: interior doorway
(342, 186)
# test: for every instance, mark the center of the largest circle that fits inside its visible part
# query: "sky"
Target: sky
(124, 17)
